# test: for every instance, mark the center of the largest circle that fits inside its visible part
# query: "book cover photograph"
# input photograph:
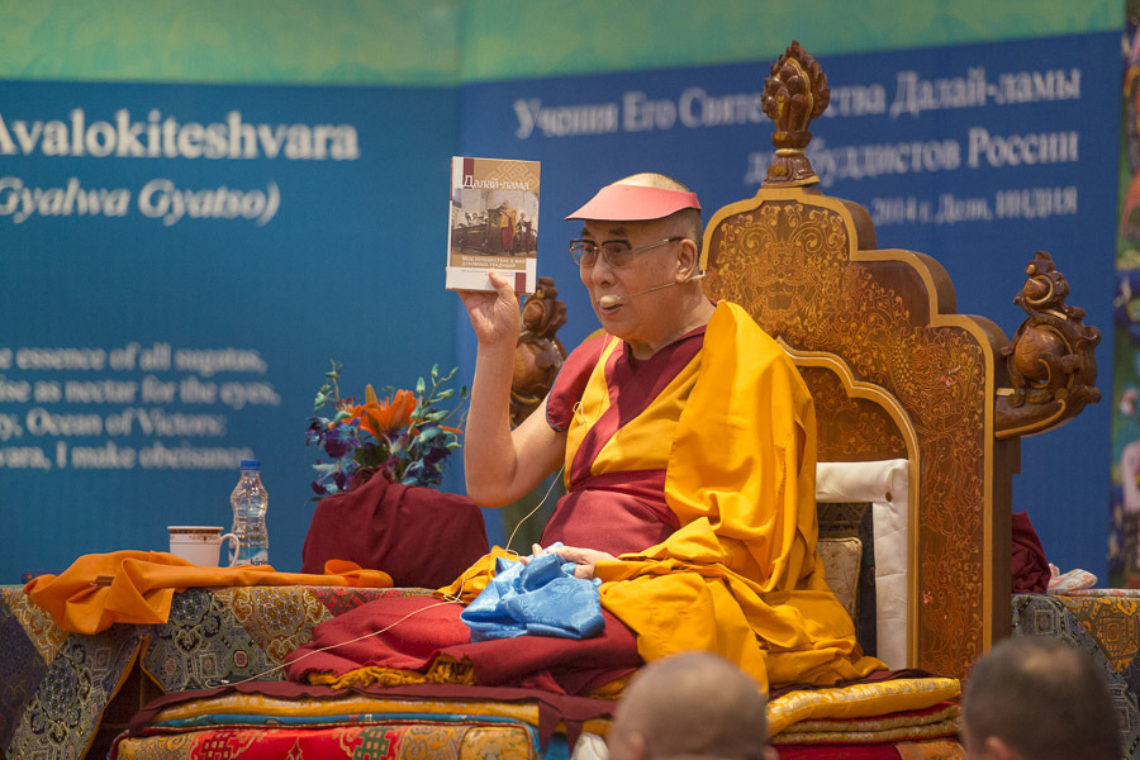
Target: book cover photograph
(493, 224)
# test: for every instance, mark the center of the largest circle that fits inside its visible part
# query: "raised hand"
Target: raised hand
(494, 314)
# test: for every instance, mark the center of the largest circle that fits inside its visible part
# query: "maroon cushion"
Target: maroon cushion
(1028, 564)
(409, 633)
(419, 536)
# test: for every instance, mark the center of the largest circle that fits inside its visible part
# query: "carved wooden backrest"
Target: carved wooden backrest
(894, 372)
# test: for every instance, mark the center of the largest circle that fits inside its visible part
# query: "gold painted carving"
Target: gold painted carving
(787, 262)
(850, 429)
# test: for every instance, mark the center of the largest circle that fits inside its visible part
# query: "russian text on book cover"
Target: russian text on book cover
(493, 223)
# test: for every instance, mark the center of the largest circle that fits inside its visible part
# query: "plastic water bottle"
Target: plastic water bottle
(250, 502)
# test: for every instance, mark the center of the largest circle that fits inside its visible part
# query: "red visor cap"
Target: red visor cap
(635, 203)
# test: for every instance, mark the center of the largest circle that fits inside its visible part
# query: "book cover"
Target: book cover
(493, 223)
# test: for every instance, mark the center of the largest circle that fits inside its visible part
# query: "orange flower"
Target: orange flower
(378, 417)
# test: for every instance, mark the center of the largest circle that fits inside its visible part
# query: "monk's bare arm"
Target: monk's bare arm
(502, 465)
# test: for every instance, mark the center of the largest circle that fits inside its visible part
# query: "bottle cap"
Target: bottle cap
(251, 464)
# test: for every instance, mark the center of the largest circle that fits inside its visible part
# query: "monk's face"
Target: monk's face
(633, 293)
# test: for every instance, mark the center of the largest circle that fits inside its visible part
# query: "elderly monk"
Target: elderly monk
(687, 439)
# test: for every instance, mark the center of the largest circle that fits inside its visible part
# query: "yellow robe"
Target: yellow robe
(741, 577)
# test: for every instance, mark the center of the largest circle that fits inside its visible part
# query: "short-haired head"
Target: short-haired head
(692, 705)
(1036, 698)
(690, 215)
(665, 200)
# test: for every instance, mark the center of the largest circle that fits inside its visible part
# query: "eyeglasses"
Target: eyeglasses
(617, 253)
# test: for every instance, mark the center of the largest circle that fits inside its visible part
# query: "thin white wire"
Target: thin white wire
(456, 599)
(553, 481)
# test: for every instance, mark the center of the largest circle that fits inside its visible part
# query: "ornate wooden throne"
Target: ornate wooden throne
(897, 373)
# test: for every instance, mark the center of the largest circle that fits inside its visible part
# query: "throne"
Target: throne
(898, 377)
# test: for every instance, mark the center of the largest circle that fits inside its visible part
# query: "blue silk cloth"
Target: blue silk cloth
(541, 597)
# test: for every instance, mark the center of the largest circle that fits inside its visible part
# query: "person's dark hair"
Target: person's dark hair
(1044, 699)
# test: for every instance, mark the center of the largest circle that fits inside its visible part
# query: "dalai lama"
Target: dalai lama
(688, 447)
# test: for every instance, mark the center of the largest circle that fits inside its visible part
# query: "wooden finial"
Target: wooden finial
(795, 93)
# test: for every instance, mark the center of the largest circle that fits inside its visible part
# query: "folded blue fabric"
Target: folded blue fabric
(541, 597)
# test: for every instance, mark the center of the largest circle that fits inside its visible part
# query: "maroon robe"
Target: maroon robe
(616, 513)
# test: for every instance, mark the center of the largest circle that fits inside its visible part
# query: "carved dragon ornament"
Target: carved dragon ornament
(1052, 369)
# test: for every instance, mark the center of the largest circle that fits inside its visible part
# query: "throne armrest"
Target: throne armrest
(1050, 363)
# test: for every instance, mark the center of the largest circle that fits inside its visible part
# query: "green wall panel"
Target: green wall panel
(515, 38)
(424, 42)
(248, 41)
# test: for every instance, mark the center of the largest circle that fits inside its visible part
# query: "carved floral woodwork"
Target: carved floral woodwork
(895, 371)
(790, 261)
(880, 438)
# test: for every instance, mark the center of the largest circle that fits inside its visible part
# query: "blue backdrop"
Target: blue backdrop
(348, 267)
(978, 155)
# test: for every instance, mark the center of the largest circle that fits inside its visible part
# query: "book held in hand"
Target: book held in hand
(493, 224)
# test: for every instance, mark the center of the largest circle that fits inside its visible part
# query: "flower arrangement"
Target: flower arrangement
(404, 434)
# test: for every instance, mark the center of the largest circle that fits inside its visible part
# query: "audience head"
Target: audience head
(693, 705)
(1033, 698)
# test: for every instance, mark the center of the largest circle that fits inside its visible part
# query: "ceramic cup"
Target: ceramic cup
(200, 544)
